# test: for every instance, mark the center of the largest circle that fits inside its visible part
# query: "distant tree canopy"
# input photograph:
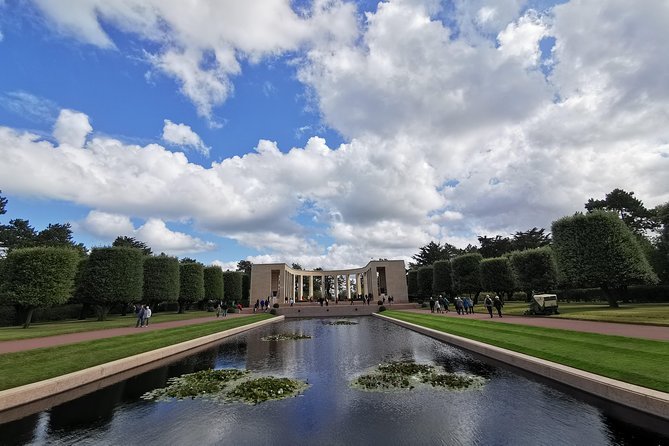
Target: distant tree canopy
(494, 246)
(530, 239)
(442, 277)
(113, 275)
(188, 260)
(131, 242)
(432, 252)
(630, 210)
(39, 277)
(296, 266)
(244, 266)
(599, 250)
(425, 279)
(3, 204)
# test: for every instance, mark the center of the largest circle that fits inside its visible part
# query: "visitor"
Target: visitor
(218, 309)
(147, 316)
(487, 303)
(140, 316)
(431, 305)
(256, 306)
(239, 307)
(458, 304)
(437, 306)
(291, 301)
(446, 304)
(441, 302)
(262, 305)
(498, 305)
(470, 305)
(465, 305)
(326, 302)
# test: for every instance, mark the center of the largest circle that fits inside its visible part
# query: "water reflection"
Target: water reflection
(509, 410)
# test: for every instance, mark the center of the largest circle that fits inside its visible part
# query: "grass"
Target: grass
(636, 361)
(645, 314)
(30, 366)
(43, 329)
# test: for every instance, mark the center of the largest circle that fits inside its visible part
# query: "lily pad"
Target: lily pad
(192, 385)
(285, 337)
(257, 390)
(341, 322)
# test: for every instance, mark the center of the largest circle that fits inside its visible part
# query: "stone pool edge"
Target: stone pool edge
(645, 400)
(29, 393)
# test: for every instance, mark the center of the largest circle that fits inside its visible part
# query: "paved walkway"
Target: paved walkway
(73, 338)
(608, 328)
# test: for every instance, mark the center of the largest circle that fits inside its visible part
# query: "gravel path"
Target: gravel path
(609, 328)
(72, 338)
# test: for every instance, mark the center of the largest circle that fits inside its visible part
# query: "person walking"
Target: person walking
(487, 303)
(470, 305)
(147, 316)
(446, 304)
(218, 309)
(431, 305)
(465, 305)
(497, 302)
(140, 316)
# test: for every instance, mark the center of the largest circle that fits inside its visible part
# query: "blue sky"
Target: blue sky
(382, 105)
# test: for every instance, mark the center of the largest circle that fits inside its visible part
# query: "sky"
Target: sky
(326, 132)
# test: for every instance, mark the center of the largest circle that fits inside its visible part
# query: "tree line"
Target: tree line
(616, 243)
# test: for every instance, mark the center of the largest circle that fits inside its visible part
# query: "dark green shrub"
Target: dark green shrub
(497, 276)
(39, 277)
(412, 283)
(382, 308)
(534, 269)
(425, 279)
(112, 276)
(442, 277)
(161, 280)
(467, 274)
(191, 284)
(213, 283)
(273, 311)
(233, 286)
(246, 289)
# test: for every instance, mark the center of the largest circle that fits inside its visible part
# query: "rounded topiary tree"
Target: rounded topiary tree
(233, 286)
(425, 279)
(39, 277)
(534, 270)
(112, 276)
(412, 283)
(161, 279)
(497, 276)
(467, 274)
(191, 284)
(213, 283)
(442, 280)
(598, 250)
(246, 289)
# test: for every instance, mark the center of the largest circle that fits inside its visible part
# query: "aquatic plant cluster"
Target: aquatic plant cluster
(407, 374)
(341, 322)
(285, 337)
(218, 383)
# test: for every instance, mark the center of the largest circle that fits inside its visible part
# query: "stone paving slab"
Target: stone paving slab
(607, 328)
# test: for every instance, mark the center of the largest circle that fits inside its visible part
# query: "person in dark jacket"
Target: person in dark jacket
(497, 302)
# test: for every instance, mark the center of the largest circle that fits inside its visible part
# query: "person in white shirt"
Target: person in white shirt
(147, 316)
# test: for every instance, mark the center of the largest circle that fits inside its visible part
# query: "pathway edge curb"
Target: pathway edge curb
(645, 400)
(28, 393)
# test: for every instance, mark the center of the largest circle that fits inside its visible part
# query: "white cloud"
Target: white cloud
(107, 226)
(183, 135)
(202, 45)
(71, 128)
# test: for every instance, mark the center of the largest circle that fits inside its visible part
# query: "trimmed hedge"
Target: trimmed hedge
(39, 277)
(213, 283)
(466, 273)
(233, 286)
(425, 279)
(443, 278)
(497, 275)
(535, 269)
(161, 279)
(412, 282)
(191, 284)
(112, 276)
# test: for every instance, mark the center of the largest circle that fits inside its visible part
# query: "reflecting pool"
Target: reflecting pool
(509, 409)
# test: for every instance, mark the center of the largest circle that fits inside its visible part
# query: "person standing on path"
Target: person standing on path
(487, 303)
(498, 305)
(147, 315)
(140, 316)
(431, 305)
(218, 309)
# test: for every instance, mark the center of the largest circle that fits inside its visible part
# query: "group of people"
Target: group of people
(143, 313)
(221, 309)
(496, 302)
(262, 305)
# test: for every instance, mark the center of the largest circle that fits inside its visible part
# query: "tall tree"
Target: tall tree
(535, 270)
(494, 247)
(123, 241)
(3, 204)
(598, 249)
(530, 239)
(629, 208)
(412, 282)
(497, 276)
(57, 234)
(296, 266)
(161, 279)
(442, 277)
(432, 252)
(17, 234)
(425, 280)
(662, 242)
(213, 283)
(467, 274)
(244, 266)
(191, 284)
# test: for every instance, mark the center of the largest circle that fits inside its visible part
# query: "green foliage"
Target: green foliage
(494, 247)
(629, 208)
(442, 278)
(246, 288)
(273, 312)
(267, 388)
(191, 284)
(19, 234)
(131, 242)
(233, 286)
(598, 249)
(3, 204)
(412, 282)
(113, 275)
(244, 266)
(534, 269)
(161, 279)
(497, 275)
(425, 279)
(432, 252)
(213, 283)
(192, 385)
(530, 239)
(39, 277)
(466, 273)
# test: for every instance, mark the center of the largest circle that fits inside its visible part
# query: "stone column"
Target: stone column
(292, 291)
(348, 286)
(311, 285)
(300, 293)
(323, 285)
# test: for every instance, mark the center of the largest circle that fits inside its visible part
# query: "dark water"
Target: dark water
(509, 410)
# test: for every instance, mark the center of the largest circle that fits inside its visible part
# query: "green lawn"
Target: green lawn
(43, 329)
(647, 314)
(637, 361)
(30, 366)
